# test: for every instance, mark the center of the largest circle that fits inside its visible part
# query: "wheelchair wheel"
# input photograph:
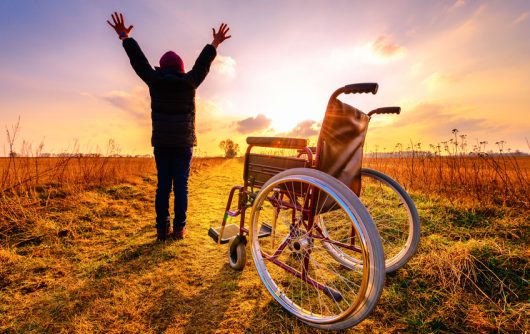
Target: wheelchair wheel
(301, 274)
(395, 217)
(237, 253)
(394, 214)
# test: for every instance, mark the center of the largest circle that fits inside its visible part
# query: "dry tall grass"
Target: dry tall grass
(28, 183)
(87, 262)
(476, 177)
(76, 237)
(26, 175)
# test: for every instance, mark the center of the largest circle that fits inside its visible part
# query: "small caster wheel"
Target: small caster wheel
(237, 253)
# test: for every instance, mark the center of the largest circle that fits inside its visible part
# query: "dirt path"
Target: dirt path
(192, 289)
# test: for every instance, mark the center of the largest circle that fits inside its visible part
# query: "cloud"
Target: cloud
(307, 128)
(208, 115)
(437, 79)
(253, 124)
(379, 51)
(457, 4)
(432, 122)
(135, 103)
(224, 65)
(522, 17)
(431, 119)
(382, 46)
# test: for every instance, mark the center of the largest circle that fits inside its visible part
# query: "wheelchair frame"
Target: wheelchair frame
(259, 171)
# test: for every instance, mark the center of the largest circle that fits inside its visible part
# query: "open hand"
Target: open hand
(119, 25)
(220, 36)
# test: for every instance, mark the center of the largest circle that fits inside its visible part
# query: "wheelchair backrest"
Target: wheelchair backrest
(340, 143)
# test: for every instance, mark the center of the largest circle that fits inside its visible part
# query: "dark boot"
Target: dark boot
(179, 232)
(163, 232)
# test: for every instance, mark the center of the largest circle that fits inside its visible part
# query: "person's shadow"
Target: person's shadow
(199, 313)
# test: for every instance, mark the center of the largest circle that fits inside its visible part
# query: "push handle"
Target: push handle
(367, 87)
(385, 110)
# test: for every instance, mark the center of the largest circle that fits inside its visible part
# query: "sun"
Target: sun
(286, 110)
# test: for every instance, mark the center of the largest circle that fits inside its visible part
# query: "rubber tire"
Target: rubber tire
(237, 253)
(413, 238)
(376, 270)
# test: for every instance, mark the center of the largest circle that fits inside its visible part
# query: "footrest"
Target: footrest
(232, 230)
(229, 233)
(265, 230)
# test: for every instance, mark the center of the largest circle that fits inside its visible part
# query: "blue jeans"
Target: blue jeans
(173, 169)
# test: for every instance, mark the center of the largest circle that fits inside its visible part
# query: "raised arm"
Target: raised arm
(202, 64)
(137, 58)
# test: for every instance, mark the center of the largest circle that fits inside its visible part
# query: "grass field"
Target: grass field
(80, 257)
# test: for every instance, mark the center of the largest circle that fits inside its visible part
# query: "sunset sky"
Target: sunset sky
(448, 64)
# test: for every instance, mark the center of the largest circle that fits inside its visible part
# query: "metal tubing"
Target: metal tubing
(306, 278)
(227, 210)
(337, 243)
(287, 205)
(321, 236)
(281, 247)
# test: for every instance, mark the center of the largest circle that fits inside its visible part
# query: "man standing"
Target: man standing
(172, 93)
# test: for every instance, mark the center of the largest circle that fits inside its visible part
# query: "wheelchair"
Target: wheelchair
(323, 231)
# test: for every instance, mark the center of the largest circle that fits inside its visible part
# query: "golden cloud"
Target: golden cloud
(432, 119)
(208, 114)
(253, 124)
(437, 79)
(384, 47)
(135, 103)
(304, 129)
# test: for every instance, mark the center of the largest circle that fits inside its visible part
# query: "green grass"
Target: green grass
(87, 262)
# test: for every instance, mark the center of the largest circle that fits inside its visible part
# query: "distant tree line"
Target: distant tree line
(78, 155)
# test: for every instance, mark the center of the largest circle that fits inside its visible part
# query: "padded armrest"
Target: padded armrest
(277, 142)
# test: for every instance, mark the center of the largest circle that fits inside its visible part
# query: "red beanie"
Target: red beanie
(171, 59)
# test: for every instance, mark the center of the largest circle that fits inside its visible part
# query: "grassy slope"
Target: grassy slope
(89, 264)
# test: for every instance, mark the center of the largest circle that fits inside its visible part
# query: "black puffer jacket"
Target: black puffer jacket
(172, 95)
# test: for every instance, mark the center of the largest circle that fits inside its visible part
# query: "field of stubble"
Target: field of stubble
(77, 254)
